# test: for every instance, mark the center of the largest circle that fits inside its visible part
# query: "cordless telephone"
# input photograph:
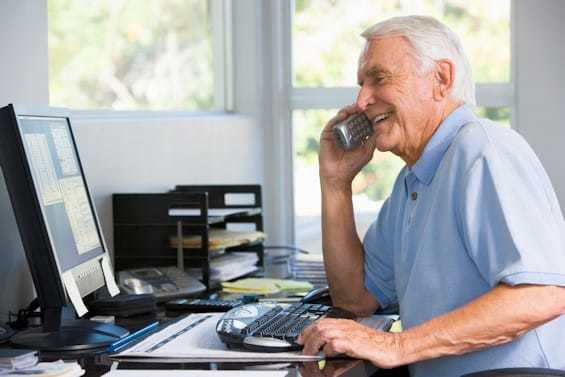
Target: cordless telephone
(353, 131)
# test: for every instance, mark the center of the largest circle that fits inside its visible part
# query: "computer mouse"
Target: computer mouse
(318, 296)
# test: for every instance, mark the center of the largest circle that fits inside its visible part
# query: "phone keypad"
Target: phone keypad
(353, 131)
(361, 128)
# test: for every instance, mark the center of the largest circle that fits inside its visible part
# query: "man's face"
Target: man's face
(392, 87)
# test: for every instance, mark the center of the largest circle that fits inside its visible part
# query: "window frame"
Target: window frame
(222, 46)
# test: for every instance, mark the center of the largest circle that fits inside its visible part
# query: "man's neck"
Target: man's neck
(431, 126)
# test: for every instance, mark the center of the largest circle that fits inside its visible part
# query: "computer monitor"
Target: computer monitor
(58, 226)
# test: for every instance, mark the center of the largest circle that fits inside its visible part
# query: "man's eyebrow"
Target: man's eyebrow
(374, 72)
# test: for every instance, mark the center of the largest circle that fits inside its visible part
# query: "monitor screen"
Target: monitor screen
(58, 228)
(61, 190)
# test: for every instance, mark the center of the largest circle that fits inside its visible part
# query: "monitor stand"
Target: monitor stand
(69, 335)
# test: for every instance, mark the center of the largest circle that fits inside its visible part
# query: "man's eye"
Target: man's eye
(376, 80)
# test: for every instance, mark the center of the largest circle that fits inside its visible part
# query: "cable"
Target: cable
(21, 320)
(282, 247)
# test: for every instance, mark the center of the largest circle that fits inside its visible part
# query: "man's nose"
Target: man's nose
(364, 98)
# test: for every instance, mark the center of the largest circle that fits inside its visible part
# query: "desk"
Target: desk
(342, 368)
(97, 364)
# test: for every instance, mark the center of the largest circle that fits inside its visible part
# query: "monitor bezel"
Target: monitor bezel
(52, 294)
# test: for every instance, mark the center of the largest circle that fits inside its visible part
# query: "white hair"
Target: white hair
(432, 41)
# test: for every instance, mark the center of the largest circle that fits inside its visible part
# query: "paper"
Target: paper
(80, 214)
(43, 168)
(64, 148)
(239, 199)
(396, 326)
(196, 373)
(220, 239)
(55, 368)
(266, 286)
(214, 211)
(194, 339)
(11, 359)
(109, 276)
(74, 294)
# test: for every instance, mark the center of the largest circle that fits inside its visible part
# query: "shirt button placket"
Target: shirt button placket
(412, 201)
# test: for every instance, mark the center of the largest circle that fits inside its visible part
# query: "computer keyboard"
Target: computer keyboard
(274, 328)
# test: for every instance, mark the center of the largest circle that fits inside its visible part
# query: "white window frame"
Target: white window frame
(222, 44)
(309, 98)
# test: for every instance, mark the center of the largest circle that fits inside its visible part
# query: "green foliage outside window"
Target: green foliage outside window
(327, 41)
(130, 54)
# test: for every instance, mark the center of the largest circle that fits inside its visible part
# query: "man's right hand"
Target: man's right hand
(337, 166)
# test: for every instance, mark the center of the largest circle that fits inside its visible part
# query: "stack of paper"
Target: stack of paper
(264, 286)
(220, 239)
(229, 266)
(13, 359)
(52, 369)
(233, 265)
(194, 339)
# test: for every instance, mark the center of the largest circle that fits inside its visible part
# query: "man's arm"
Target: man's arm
(497, 317)
(343, 253)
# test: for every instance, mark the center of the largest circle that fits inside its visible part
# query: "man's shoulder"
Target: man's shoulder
(485, 139)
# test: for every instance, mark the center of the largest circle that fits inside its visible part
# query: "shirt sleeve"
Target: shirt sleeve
(511, 220)
(379, 272)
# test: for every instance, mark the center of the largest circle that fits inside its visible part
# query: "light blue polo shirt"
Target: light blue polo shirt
(477, 209)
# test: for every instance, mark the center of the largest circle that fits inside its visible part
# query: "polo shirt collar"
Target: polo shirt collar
(426, 166)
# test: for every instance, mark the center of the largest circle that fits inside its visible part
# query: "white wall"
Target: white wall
(155, 154)
(23, 78)
(540, 82)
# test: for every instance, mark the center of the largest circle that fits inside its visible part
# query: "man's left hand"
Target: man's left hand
(344, 336)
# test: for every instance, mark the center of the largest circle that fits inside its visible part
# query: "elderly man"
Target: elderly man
(470, 244)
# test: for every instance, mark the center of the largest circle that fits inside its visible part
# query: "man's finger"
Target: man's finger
(313, 341)
(329, 349)
(315, 327)
(342, 115)
(313, 346)
(304, 334)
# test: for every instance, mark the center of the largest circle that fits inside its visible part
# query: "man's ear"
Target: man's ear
(444, 78)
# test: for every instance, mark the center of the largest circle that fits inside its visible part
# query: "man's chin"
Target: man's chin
(383, 146)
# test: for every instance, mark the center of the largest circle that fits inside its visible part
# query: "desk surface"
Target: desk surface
(97, 364)
(342, 368)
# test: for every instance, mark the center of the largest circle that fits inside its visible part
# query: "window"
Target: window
(325, 47)
(128, 55)
(326, 36)
(370, 188)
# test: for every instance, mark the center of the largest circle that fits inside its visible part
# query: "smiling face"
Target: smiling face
(401, 100)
